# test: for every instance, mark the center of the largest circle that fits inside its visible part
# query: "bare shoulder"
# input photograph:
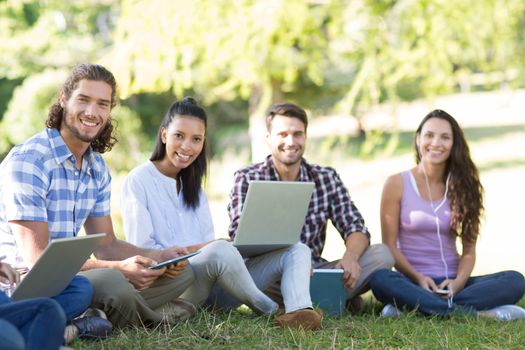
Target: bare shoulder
(393, 187)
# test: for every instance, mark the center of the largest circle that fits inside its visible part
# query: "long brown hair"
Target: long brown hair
(465, 192)
(105, 139)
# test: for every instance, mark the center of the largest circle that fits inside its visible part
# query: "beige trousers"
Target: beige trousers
(124, 305)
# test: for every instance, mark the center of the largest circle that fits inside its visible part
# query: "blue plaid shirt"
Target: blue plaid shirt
(39, 182)
(330, 201)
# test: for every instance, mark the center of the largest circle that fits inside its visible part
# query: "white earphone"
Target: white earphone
(438, 232)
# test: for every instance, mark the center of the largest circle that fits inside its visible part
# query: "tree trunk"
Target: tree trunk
(264, 95)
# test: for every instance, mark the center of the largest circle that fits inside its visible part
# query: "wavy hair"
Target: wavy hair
(105, 140)
(465, 193)
(191, 176)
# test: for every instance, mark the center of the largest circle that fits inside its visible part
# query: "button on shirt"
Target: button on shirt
(39, 182)
(330, 201)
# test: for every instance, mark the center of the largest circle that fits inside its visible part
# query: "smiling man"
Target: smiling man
(286, 126)
(57, 182)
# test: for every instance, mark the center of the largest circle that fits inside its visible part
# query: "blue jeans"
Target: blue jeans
(76, 298)
(479, 293)
(291, 265)
(31, 324)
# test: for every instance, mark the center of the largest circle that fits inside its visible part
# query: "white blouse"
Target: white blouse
(154, 214)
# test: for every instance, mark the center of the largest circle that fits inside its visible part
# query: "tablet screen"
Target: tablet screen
(174, 260)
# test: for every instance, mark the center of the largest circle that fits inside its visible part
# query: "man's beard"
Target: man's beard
(75, 131)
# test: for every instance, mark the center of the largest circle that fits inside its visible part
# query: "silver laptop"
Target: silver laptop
(273, 216)
(56, 267)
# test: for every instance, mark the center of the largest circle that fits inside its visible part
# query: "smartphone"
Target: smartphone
(441, 291)
(174, 260)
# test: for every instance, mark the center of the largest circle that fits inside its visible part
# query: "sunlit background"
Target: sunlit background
(366, 71)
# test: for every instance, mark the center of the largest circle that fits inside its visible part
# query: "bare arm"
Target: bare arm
(131, 260)
(113, 249)
(32, 238)
(390, 213)
(356, 244)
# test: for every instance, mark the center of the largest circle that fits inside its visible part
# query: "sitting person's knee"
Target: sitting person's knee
(384, 256)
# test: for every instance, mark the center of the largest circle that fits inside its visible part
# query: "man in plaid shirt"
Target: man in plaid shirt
(57, 182)
(286, 126)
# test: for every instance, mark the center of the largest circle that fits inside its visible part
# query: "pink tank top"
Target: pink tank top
(418, 239)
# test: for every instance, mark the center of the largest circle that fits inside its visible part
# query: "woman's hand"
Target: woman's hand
(454, 286)
(427, 283)
(174, 270)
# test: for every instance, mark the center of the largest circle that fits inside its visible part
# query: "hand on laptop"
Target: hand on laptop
(136, 270)
(352, 270)
(9, 273)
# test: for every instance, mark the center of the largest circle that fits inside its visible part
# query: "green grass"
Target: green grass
(241, 329)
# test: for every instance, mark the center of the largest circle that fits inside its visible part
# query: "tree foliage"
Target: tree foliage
(328, 55)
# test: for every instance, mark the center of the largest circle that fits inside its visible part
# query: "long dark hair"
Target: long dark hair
(465, 193)
(191, 176)
(105, 139)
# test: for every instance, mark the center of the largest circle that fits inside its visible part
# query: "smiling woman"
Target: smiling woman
(163, 205)
(423, 212)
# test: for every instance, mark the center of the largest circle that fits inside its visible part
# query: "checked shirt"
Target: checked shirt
(330, 201)
(39, 182)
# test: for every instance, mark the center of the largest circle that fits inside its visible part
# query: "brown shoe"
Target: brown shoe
(307, 319)
(177, 310)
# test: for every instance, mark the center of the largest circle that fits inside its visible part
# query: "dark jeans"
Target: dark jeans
(76, 298)
(479, 293)
(31, 324)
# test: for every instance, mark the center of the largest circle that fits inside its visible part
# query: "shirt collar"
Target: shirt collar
(61, 152)
(274, 175)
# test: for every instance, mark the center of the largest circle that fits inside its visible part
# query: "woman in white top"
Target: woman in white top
(163, 205)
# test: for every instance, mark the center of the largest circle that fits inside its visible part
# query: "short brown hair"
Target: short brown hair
(288, 110)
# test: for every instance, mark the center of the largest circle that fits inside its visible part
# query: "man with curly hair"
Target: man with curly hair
(57, 182)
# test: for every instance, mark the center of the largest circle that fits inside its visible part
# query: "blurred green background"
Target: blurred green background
(239, 57)
(366, 71)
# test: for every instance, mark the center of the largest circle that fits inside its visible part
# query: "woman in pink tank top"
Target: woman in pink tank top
(423, 212)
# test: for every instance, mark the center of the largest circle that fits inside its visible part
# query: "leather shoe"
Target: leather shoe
(307, 319)
(92, 327)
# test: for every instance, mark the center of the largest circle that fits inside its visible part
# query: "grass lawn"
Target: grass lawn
(241, 329)
(497, 150)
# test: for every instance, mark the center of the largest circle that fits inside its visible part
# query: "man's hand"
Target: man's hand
(7, 272)
(136, 270)
(356, 244)
(351, 270)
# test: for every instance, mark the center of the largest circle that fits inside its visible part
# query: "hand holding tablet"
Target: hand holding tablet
(174, 260)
